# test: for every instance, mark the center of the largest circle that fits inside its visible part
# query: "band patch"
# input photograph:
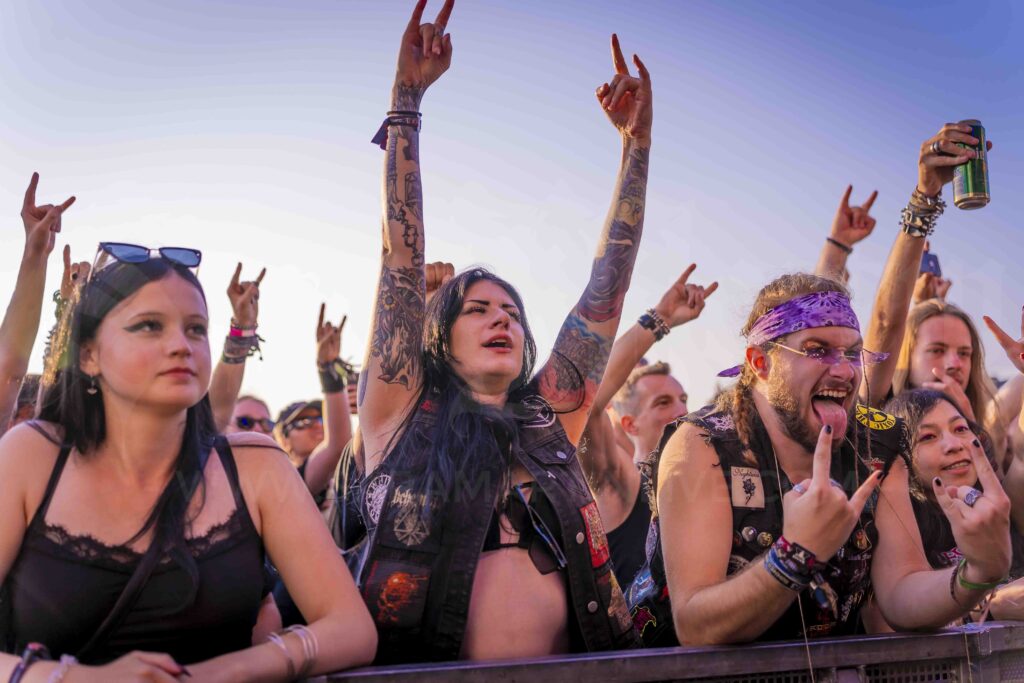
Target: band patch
(875, 419)
(642, 618)
(747, 490)
(595, 534)
(410, 524)
(396, 594)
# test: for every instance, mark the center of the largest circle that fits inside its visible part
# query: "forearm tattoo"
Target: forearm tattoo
(613, 265)
(397, 334)
(577, 364)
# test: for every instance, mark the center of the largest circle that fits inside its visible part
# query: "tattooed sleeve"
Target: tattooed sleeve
(584, 343)
(396, 334)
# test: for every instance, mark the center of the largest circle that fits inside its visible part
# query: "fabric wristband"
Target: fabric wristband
(839, 245)
(970, 585)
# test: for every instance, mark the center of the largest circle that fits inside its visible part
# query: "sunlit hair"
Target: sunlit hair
(980, 389)
(67, 403)
(254, 399)
(624, 400)
(739, 400)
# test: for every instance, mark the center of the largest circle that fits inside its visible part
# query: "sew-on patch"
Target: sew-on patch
(376, 492)
(747, 490)
(595, 534)
(410, 524)
(875, 419)
(642, 618)
(397, 593)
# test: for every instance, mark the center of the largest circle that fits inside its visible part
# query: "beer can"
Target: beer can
(970, 179)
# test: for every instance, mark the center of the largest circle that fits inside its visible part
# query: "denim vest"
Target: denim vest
(416, 574)
(754, 490)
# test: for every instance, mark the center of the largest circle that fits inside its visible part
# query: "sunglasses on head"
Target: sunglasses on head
(545, 553)
(250, 423)
(302, 423)
(134, 253)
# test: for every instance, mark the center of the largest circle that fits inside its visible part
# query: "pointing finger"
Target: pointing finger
(822, 458)
(617, 59)
(686, 274)
(259, 278)
(320, 323)
(30, 193)
(645, 75)
(416, 19)
(67, 257)
(710, 289)
(845, 202)
(870, 202)
(234, 278)
(986, 475)
(341, 325)
(946, 501)
(67, 202)
(1005, 340)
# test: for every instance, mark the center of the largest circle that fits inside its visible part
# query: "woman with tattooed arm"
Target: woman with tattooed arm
(472, 484)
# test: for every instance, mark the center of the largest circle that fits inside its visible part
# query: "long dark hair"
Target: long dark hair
(465, 433)
(67, 403)
(936, 533)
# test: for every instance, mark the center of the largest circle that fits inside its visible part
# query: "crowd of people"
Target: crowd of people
(453, 500)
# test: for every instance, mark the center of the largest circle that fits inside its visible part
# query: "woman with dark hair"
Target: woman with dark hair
(123, 524)
(473, 485)
(942, 441)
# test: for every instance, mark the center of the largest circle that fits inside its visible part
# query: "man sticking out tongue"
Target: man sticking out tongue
(769, 519)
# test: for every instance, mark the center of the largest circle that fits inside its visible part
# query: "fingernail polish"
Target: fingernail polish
(977, 444)
(828, 429)
(937, 481)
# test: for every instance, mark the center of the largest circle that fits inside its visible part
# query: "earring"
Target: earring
(92, 389)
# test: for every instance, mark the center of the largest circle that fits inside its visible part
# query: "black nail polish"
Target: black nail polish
(977, 444)
(938, 482)
(828, 429)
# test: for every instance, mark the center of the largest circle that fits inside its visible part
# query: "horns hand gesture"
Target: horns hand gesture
(626, 99)
(42, 223)
(426, 50)
(1014, 348)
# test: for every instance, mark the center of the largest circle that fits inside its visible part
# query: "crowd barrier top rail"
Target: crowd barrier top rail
(975, 654)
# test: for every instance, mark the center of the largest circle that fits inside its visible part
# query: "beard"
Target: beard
(791, 415)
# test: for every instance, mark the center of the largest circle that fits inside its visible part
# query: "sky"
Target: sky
(242, 129)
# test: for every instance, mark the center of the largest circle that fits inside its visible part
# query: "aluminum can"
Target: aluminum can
(970, 180)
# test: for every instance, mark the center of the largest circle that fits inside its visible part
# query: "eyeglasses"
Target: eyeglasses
(830, 355)
(250, 423)
(302, 423)
(545, 553)
(134, 253)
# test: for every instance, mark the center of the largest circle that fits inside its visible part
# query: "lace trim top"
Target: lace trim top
(63, 585)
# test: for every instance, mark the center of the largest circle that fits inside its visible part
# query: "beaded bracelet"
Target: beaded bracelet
(650, 320)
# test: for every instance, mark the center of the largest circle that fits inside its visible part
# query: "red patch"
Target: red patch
(396, 593)
(642, 618)
(595, 534)
(428, 406)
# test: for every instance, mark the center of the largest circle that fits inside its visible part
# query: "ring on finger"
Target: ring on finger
(936, 149)
(836, 484)
(971, 497)
(799, 488)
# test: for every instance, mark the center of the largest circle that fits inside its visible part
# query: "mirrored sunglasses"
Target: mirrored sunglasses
(109, 252)
(250, 423)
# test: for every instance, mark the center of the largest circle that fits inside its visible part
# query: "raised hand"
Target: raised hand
(982, 528)
(245, 298)
(437, 274)
(74, 276)
(816, 512)
(426, 50)
(683, 302)
(328, 338)
(42, 223)
(1014, 348)
(853, 223)
(931, 286)
(940, 154)
(628, 100)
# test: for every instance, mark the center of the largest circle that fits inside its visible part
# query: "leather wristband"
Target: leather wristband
(333, 378)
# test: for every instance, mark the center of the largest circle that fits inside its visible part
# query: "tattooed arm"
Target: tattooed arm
(570, 379)
(391, 374)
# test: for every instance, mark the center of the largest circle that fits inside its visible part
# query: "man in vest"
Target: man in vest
(783, 505)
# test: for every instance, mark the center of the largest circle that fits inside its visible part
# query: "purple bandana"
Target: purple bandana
(818, 309)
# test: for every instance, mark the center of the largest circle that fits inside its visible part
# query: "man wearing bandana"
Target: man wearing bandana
(785, 504)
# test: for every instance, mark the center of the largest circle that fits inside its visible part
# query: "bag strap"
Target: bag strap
(140, 577)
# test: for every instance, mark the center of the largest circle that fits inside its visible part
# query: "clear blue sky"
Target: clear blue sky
(242, 129)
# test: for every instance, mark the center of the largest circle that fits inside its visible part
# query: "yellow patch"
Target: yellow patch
(875, 419)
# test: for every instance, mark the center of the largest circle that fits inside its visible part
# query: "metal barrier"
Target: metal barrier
(974, 654)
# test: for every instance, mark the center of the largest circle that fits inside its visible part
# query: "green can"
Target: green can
(970, 180)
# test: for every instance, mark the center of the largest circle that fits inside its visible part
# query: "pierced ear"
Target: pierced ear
(759, 361)
(88, 362)
(629, 425)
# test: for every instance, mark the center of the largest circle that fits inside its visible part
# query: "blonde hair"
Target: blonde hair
(624, 397)
(981, 391)
(739, 400)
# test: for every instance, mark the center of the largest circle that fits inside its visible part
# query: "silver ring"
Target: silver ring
(836, 484)
(799, 488)
(935, 148)
(971, 497)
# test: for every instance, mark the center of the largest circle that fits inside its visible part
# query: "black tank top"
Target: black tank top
(62, 586)
(627, 542)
